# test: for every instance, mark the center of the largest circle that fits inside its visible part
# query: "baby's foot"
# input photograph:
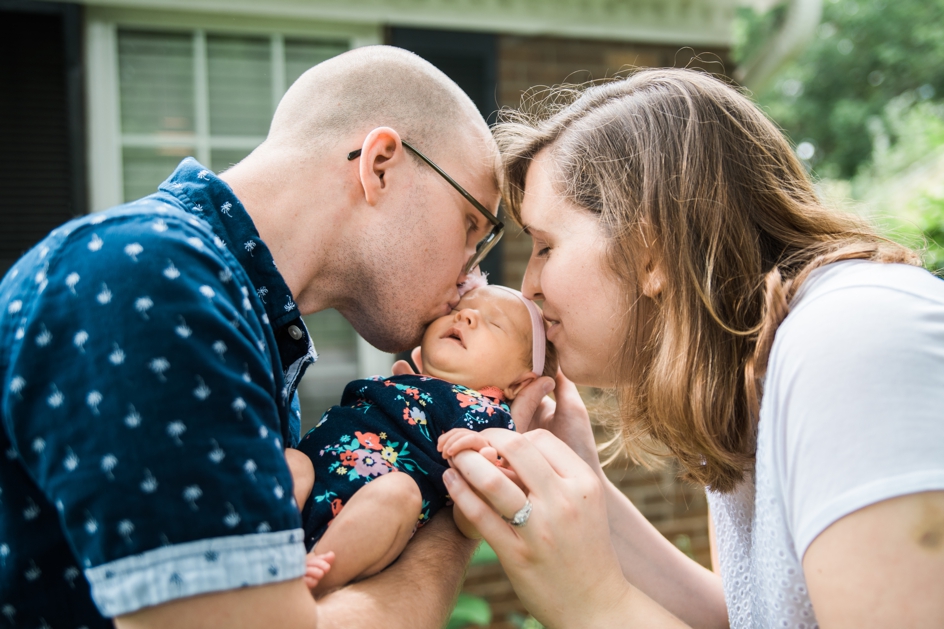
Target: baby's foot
(316, 567)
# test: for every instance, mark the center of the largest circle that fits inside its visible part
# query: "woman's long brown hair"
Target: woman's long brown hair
(678, 163)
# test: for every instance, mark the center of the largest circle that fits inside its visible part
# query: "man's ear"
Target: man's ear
(381, 150)
(417, 356)
(513, 389)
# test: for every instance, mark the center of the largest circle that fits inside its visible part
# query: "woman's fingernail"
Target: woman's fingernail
(548, 386)
(449, 477)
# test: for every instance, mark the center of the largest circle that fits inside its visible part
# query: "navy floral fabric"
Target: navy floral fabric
(384, 425)
(149, 357)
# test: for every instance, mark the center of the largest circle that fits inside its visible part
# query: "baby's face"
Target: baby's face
(486, 341)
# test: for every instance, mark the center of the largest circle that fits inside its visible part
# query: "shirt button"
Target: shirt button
(295, 332)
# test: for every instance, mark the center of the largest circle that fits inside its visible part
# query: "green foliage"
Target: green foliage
(470, 611)
(865, 53)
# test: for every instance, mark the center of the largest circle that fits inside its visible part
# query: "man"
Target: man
(150, 356)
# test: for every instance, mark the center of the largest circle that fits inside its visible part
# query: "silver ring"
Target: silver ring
(521, 517)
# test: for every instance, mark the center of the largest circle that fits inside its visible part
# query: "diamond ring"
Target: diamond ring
(521, 517)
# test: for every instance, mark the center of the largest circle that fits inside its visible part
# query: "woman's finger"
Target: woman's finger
(526, 460)
(505, 496)
(528, 401)
(558, 454)
(482, 516)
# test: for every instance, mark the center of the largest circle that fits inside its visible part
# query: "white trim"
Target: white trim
(106, 186)
(277, 54)
(371, 361)
(173, 572)
(201, 97)
(679, 22)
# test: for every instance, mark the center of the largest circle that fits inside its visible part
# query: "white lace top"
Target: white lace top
(851, 415)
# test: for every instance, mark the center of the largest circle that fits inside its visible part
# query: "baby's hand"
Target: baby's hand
(459, 439)
(316, 567)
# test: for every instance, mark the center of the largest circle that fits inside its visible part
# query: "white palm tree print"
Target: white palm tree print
(117, 355)
(80, 339)
(216, 454)
(149, 484)
(191, 494)
(33, 572)
(171, 271)
(72, 279)
(232, 518)
(262, 291)
(159, 225)
(198, 208)
(239, 405)
(183, 330)
(133, 250)
(108, 463)
(15, 306)
(95, 244)
(142, 305)
(44, 338)
(219, 242)
(207, 291)
(56, 398)
(70, 575)
(159, 366)
(249, 245)
(91, 524)
(225, 276)
(71, 461)
(225, 208)
(175, 429)
(202, 391)
(17, 384)
(39, 445)
(250, 468)
(133, 418)
(125, 529)
(31, 511)
(104, 296)
(93, 399)
(10, 612)
(220, 348)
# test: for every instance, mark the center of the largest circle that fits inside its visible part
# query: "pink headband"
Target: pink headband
(538, 340)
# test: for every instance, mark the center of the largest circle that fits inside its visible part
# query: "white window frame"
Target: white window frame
(103, 103)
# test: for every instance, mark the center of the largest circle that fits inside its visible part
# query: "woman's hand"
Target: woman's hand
(566, 417)
(561, 561)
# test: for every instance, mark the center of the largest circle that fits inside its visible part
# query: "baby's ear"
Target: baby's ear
(513, 389)
(417, 356)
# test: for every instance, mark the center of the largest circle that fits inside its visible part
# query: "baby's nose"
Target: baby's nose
(468, 316)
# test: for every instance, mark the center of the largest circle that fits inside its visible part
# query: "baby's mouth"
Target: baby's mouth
(454, 334)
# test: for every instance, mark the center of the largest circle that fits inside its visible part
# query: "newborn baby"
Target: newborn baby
(371, 472)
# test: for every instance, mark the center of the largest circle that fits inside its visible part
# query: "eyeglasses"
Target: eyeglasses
(498, 228)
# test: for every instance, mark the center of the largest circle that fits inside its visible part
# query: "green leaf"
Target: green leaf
(484, 554)
(470, 610)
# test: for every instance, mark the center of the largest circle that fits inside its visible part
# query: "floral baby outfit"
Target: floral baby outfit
(386, 425)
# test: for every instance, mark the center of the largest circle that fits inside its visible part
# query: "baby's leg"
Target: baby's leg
(371, 530)
(303, 474)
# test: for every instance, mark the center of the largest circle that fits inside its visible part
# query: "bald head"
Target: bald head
(370, 87)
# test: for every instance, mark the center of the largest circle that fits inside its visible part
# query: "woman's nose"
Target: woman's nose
(531, 284)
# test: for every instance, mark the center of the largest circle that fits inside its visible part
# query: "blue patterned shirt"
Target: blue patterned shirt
(149, 358)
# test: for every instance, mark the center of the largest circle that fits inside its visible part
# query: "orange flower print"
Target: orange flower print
(348, 458)
(368, 440)
(336, 506)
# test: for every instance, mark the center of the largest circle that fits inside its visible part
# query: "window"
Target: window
(210, 95)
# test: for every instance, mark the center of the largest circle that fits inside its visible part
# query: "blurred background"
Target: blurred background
(100, 99)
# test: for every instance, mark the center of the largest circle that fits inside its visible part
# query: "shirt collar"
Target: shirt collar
(209, 197)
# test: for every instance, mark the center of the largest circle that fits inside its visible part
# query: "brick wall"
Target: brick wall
(678, 510)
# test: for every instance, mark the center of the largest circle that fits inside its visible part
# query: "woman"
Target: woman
(788, 357)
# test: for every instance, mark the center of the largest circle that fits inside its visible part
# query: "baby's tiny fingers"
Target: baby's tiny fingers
(450, 437)
(467, 441)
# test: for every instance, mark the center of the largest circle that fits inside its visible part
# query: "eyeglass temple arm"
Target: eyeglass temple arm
(468, 197)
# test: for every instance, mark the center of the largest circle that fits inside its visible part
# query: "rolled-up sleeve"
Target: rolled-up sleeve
(147, 410)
